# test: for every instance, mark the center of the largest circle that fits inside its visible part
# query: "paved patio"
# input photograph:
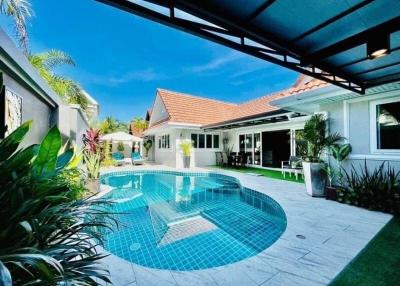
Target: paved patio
(334, 234)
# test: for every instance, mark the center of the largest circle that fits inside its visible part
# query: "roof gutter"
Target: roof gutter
(264, 115)
(314, 95)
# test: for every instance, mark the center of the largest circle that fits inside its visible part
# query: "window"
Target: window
(216, 141)
(249, 148)
(388, 126)
(257, 148)
(205, 141)
(194, 140)
(164, 142)
(209, 141)
(241, 143)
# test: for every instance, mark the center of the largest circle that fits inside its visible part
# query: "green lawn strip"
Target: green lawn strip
(264, 172)
(378, 264)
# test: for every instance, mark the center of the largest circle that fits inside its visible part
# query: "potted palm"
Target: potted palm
(339, 152)
(92, 159)
(186, 147)
(314, 135)
(120, 147)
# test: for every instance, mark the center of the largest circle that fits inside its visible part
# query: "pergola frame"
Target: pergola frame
(241, 37)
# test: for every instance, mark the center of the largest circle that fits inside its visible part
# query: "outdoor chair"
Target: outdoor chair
(293, 166)
(137, 158)
(118, 157)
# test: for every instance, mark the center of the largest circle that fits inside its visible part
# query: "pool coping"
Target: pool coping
(334, 234)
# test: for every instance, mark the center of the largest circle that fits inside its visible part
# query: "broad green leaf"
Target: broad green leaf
(46, 159)
(64, 159)
(5, 276)
(10, 144)
(75, 160)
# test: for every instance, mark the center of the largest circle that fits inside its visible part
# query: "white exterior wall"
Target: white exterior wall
(355, 120)
(200, 157)
(165, 156)
(174, 157)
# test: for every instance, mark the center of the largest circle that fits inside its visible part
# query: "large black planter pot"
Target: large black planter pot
(186, 162)
(331, 193)
(315, 179)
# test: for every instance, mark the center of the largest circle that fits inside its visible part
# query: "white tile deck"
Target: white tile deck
(334, 234)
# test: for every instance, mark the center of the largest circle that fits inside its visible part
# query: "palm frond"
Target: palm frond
(20, 10)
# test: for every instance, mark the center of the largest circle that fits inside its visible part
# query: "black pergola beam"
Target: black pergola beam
(270, 53)
(259, 10)
(332, 20)
(366, 58)
(359, 39)
(378, 68)
(384, 79)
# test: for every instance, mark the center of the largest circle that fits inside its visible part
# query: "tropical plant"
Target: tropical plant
(139, 124)
(46, 236)
(91, 153)
(110, 125)
(378, 189)
(66, 88)
(314, 135)
(107, 159)
(120, 147)
(186, 147)
(339, 152)
(147, 146)
(20, 11)
(92, 164)
(91, 140)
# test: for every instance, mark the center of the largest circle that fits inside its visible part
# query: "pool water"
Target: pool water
(183, 221)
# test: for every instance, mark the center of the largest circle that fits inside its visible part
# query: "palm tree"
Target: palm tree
(110, 125)
(20, 10)
(139, 123)
(66, 88)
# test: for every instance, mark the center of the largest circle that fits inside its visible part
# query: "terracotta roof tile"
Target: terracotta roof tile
(185, 108)
(309, 85)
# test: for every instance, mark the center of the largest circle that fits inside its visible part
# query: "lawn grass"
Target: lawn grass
(378, 264)
(264, 172)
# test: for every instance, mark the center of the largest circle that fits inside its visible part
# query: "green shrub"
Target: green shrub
(314, 139)
(107, 159)
(186, 147)
(47, 237)
(378, 189)
(120, 147)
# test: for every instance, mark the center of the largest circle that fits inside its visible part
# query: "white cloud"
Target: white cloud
(218, 62)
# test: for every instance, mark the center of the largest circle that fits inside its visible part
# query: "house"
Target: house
(26, 96)
(93, 107)
(265, 128)
(370, 122)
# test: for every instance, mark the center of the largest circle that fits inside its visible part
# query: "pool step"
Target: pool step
(186, 228)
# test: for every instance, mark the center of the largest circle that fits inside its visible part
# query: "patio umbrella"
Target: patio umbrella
(120, 136)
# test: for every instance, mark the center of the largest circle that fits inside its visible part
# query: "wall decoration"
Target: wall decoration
(13, 111)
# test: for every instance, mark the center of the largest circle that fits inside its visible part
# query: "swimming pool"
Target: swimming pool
(189, 221)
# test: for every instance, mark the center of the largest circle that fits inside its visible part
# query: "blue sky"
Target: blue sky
(121, 59)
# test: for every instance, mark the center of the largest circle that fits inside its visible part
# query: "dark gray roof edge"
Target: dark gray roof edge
(19, 61)
(255, 116)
